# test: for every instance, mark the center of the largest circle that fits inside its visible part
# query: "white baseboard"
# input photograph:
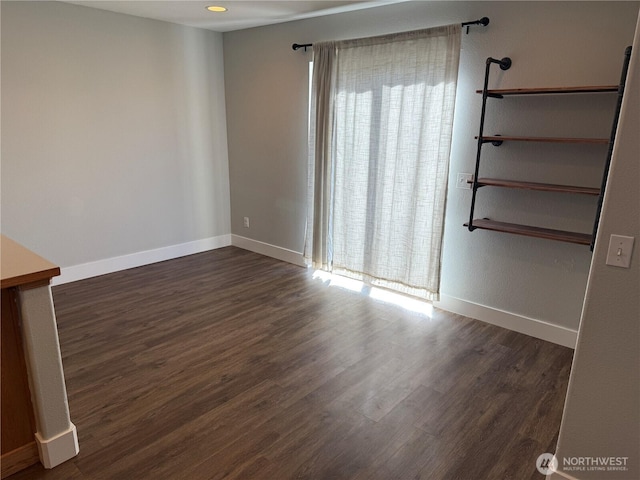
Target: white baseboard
(58, 449)
(529, 326)
(138, 259)
(268, 250)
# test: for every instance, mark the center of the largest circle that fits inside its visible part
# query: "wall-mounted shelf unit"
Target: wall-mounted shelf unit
(497, 140)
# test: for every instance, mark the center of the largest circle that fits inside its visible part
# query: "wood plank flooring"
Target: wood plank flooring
(232, 365)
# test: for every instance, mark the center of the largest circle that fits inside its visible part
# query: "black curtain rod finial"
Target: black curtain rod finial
(484, 21)
(297, 46)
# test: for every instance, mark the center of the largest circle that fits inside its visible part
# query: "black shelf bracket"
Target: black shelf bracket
(505, 64)
(495, 143)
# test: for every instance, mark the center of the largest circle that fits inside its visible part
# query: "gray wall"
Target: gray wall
(551, 44)
(602, 414)
(114, 135)
(113, 132)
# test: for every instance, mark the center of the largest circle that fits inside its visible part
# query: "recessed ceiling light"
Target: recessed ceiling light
(214, 8)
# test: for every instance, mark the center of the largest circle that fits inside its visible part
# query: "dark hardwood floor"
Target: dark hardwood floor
(232, 365)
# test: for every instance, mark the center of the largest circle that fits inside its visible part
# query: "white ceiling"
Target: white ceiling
(241, 13)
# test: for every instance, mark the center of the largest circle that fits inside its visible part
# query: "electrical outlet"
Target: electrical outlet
(246, 222)
(465, 180)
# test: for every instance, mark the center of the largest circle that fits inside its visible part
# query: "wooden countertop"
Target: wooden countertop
(20, 266)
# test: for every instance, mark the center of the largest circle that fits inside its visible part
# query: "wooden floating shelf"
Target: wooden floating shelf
(543, 187)
(500, 138)
(529, 231)
(552, 90)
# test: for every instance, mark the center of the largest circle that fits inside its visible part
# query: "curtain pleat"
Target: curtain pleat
(317, 246)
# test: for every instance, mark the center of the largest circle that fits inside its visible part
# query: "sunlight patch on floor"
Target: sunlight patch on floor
(408, 303)
(338, 281)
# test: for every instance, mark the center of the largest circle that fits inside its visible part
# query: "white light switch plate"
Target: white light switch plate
(620, 248)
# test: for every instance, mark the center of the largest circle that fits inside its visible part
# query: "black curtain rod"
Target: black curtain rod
(484, 21)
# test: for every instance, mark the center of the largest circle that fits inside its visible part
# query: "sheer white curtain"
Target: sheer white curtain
(382, 115)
